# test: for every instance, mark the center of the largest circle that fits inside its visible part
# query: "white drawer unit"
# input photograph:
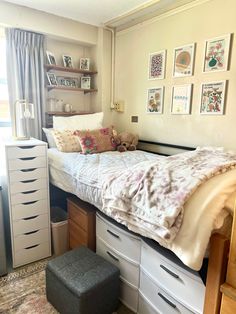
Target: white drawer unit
(28, 198)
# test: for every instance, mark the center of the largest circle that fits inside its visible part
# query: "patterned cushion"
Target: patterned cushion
(66, 141)
(96, 141)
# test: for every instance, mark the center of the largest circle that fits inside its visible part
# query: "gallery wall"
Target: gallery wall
(192, 24)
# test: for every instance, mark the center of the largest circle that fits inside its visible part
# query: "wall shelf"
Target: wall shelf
(50, 67)
(91, 90)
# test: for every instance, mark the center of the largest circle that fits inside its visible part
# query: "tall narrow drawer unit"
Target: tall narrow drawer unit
(28, 199)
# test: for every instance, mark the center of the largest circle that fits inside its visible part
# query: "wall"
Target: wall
(195, 24)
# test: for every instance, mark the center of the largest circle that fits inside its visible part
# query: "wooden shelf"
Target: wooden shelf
(50, 67)
(62, 113)
(91, 90)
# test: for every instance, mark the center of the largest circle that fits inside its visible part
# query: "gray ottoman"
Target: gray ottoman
(82, 282)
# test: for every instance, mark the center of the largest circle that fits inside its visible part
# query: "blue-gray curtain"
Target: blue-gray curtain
(25, 73)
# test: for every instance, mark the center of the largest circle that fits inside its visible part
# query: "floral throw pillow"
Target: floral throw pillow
(96, 141)
(66, 141)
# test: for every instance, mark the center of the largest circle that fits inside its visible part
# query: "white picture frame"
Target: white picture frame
(216, 54)
(213, 98)
(183, 61)
(157, 65)
(86, 82)
(181, 99)
(67, 61)
(51, 58)
(155, 98)
(84, 64)
(52, 80)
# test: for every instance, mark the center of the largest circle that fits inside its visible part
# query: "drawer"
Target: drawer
(160, 300)
(123, 242)
(77, 236)
(27, 163)
(28, 185)
(78, 216)
(30, 255)
(129, 271)
(30, 239)
(30, 196)
(27, 174)
(25, 151)
(30, 224)
(144, 306)
(129, 296)
(187, 288)
(25, 210)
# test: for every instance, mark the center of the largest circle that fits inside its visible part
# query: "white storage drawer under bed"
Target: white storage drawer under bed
(129, 296)
(27, 174)
(21, 151)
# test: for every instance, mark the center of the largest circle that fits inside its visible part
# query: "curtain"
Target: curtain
(25, 73)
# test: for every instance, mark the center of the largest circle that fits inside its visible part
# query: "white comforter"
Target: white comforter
(84, 175)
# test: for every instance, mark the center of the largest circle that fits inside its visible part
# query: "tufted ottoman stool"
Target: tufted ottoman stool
(82, 282)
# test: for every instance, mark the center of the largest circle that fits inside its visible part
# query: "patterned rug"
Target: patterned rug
(23, 292)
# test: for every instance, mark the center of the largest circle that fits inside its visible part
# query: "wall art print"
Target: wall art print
(183, 60)
(155, 100)
(213, 97)
(157, 61)
(217, 54)
(181, 99)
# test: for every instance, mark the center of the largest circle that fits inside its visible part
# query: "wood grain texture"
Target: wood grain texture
(228, 305)
(231, 271)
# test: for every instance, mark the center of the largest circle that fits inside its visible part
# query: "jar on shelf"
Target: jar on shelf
(59, 105)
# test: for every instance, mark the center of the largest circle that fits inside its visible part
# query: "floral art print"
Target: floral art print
(155, 100)
(212, 99)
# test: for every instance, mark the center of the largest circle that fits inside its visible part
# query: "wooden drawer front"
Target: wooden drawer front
(27, 163)
(25, 197)
(77, 236)
(28, 185)
(30, 224)
(27, 174)
(78, 216)
(144, 306)
(30, 239)
(129, 296)
(187, 288)
(125, 243)
(162, 302)
(129, 271)
(25, 151)
(20, 211)
(30, 255)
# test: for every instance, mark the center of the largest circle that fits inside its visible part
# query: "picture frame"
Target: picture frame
(51, 58)
(213, 98)
(157, 65)
(84, 64)
(155, 97)
(52, 80)
(184, 60)
(68, 81)
(85, 82)
(216, 54)
(181, 99)
(67, 61)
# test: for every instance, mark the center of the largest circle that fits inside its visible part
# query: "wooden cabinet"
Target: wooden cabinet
(81, 223)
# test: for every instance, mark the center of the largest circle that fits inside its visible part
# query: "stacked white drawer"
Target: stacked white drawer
(166, 287)
(123, 250)
(28, 200)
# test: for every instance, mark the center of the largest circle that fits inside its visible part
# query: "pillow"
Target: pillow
(79, 122)
(66, 141)
(96, 141)
(49, 136)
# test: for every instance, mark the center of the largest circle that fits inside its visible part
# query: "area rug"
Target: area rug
(23, 292)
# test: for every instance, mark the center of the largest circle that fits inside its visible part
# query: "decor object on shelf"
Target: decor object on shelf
(84, 64)
(181, 99)
(183, 60)
(212, 98)
(51, 104)
(68, 108)
(67, 81)
(52, 80)
(155, 100)
(67, 61)
(51, 58)
(217, 54)
(85, 82)
(157, 61)
(23, 112)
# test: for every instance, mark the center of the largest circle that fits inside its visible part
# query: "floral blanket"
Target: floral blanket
(149, 198)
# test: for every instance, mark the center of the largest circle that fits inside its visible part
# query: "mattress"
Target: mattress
(207, 210)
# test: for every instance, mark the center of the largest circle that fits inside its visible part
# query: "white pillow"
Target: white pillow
(50, 139)
(79, 122)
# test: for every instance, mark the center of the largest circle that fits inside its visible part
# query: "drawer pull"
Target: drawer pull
(28, 192)
(29, 218)
(26, 147)
(169, 271)
(31, 232)
(29, 203)
(28, 170)
(31, 247)
(113, 256)
(113, 234)
(28, 181)
(166, 300)
(27, 158)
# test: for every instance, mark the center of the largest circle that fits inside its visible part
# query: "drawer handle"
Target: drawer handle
(26, 147)
(29, 218)
(27, 158)
(166, 300)
(113, 234)
(31, 232)
(28, 170)
(31, 247)
(169, 272)
(29, 203)
(113, 256)
(28, 192)
(28, 181)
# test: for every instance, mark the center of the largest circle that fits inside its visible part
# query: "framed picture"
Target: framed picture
(181, 99)
(67, 61)
(68, 81)
(157, 63)
(84, 64)
(184, 60)
(51, 58)
(155, 100)
(52, 80)
(213, 98)
(217, 54)
(85, 82)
